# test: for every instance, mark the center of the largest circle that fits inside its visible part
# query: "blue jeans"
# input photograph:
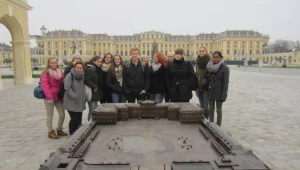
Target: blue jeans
(118, 98)
(157, 97)
(203, 100)
(92, 105)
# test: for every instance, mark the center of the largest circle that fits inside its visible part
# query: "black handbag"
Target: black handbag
(205, 81)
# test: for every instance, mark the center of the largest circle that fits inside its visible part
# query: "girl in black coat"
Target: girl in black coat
(180, 78)
(218, 83)
(106, 62)
(157, 77)
(91, 79)
(115, 80)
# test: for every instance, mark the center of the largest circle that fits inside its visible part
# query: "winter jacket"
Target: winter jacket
(158, 80)
(106, 91)
(201, 72)
(136, 77)
(218, 83)
(67, 71)
(113, 83)
(50, 86)
(92, 79)
(178, 78)
(75, 95)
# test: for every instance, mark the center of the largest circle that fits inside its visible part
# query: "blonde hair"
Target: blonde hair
(46, 70)
(204, 49)
(133, 49)
(144, 56)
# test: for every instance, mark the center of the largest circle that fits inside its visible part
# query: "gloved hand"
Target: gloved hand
(49, 101)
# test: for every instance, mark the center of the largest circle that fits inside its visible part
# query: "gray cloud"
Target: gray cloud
(277, 18)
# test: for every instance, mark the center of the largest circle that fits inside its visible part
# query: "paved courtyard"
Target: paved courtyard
(262, 113)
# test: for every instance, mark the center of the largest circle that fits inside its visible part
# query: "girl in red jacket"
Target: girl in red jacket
(51, 79)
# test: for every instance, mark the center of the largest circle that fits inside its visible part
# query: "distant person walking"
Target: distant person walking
(115, 80)
(75, 96)
(92, 79)
(76, 58)
(106, 62)
(202, 75)
(51, 79)
(218, 83)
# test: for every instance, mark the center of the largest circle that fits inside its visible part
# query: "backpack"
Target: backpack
(128, 65)
(62, 90)
(38, 92)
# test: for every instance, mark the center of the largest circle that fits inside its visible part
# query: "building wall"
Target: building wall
(234, 46)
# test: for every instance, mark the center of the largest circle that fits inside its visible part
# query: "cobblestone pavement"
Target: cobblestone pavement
(262, 113)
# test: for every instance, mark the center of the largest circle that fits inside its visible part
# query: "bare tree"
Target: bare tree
(297, 45)
(282, 46)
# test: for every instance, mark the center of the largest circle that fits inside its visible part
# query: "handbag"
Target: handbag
(38, 92)
(205, 81)
(88, 92)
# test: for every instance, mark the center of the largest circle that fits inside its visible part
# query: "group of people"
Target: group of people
(110, 80)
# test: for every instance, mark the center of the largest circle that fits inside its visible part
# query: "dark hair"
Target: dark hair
(79, 63)
(219, 53)
(103, 60)
(179, 51)
(95, 58)
(113, 65)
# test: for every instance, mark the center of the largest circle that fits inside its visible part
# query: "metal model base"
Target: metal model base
(150, 136)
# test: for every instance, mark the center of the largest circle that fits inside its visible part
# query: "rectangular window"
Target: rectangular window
(104, 44)
(108, 44)
(125, 53)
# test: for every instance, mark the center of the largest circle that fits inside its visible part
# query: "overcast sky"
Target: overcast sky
(278, 18)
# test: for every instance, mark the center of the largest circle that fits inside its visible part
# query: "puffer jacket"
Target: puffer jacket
(50, 86)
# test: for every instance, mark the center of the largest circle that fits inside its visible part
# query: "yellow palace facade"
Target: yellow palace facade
(234, 44)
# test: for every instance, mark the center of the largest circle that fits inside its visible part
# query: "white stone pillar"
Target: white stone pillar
(1, 83)
(22, 62)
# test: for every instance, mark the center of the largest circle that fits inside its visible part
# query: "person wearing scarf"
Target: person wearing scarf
(51, 79)
(115, 80)
(91, 79)
(180, 78)
(218, 85)
(75, 96)
(201, 71)
(157, 77)
(106, 91)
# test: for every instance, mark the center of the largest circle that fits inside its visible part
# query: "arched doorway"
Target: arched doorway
(13, 15)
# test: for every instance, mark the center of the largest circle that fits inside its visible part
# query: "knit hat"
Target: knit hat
(77, 55)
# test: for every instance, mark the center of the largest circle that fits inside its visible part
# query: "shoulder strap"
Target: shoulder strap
(128, 65)
(143, 66)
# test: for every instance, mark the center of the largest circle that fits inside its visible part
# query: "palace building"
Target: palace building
(234, 44)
